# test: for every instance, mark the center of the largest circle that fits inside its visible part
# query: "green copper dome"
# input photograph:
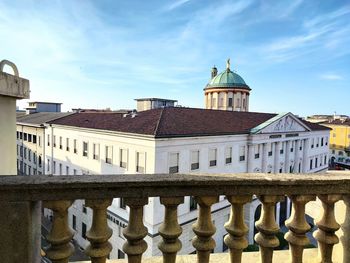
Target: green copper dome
(226, 79)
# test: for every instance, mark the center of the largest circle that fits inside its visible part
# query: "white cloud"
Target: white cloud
(331, 76)
(175, 4)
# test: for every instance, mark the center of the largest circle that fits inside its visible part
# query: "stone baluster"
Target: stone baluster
(342, 250)
(298, 227)
(170, 230)
(236, 239)
(135, 232)
(325, 235)
(99, 233)
(204, 228)
(267, 226)
(61, 234)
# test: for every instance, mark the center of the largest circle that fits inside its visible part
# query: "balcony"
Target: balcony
(58, 193)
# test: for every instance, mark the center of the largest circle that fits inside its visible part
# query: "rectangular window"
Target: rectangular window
(173, 163)
(311, 164)
(67, 170)
(316, 162)
(312, 143)
(241, 153)
(193, 203)
(54, 167)
(85, 149)
(39, 161)
(21, 135)
(322, 141)
(230, 102)
(256, 151)
(212, 157)
(83, 230)
(122, 203)
(48, 165)
(317, 141)
(74, 222)
(325, 159)
(24, 136)
(120, 232)
(109, 154)
(29, 138)
(17, 134)
(67, 144)
(228, 155)
(60, 143)
(75, 150)
(281, 149)
(140, 162)
(194, 160)
(123, 158)
(48, 140)
(270, 150)
(96, 151)
(34, 138)
(54, 141)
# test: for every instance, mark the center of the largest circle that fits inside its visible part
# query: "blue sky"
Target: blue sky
(294, 55)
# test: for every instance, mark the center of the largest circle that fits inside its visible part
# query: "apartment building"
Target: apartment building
(180, 140)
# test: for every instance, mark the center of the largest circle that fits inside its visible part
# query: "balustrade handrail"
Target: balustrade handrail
(48, 187)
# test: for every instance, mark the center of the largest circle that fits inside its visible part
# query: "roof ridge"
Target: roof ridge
(158, 122)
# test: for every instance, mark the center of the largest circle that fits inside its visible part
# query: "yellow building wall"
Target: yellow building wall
(339, 136)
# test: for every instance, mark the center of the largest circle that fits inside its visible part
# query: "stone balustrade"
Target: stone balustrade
(59, 192)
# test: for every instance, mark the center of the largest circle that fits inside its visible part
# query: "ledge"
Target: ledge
(310, 256)
(14, 86)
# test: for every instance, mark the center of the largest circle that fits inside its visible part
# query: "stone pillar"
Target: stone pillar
(306, 146)
(264, 158)
(342, 249)
(296, 156)
(250, 161)
(20, 221)
(286, 155)
(247, 102)
(276, 164)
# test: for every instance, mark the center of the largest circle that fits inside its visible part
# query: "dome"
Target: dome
(227, 79)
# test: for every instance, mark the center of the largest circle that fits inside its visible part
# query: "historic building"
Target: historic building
(226, 91)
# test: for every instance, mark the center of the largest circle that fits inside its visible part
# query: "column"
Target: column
(276, 164)
(296, 156)
(206, 100)
(225, 100)
(306, 147)
(264, 158)
(233, 100)
(250, 161)
(286, 155)
(210, 98)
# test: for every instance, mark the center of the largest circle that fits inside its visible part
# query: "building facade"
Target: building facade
(180, 140)
(154, 103)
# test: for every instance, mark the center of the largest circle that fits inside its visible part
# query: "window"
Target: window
(83, 230)
(67, 144)
(322, 141)
(241, 153)
(34, 139)
(74, 222)
(96, 151)
(109, 152)
(24, 136)
(301, 146)
(123, 161)
(48, 140)
(256, 151)
(318, 141)
(60, 169)
(17, 134)
(121, 254)
(48, 165)
(270, 150)
(194, 160)
(312, 143)
(54, 167)
(75, 150)
(228, 155)
(281, 170)
(326, 141)
(311, 164)
(21, 151)
(85, 149)
(193, 203)
(316, 162)
(29, 138)
(292, 147)
(212, 157)
(21, 135)
(122, 203)
(325, 159)
(60, 142)
(29, 170)
(281, 149)
(140, 162)
(39, 160)
(67, 170)
(173, 163)
(25, 153)
(29, 155)
(230, 102)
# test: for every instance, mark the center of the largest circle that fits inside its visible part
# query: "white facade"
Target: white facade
(284, 144)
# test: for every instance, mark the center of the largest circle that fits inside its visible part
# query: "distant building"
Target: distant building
(154, 103)
(325, 118)
(226, 91)
(31, 132)
(39, 106)
(339, 140)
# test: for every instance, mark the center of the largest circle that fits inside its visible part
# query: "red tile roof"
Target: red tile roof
(172, 122)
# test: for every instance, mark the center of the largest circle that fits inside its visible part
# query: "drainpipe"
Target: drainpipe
(20, 221)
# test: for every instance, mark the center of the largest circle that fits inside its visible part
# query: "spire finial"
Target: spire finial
(228, 64)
